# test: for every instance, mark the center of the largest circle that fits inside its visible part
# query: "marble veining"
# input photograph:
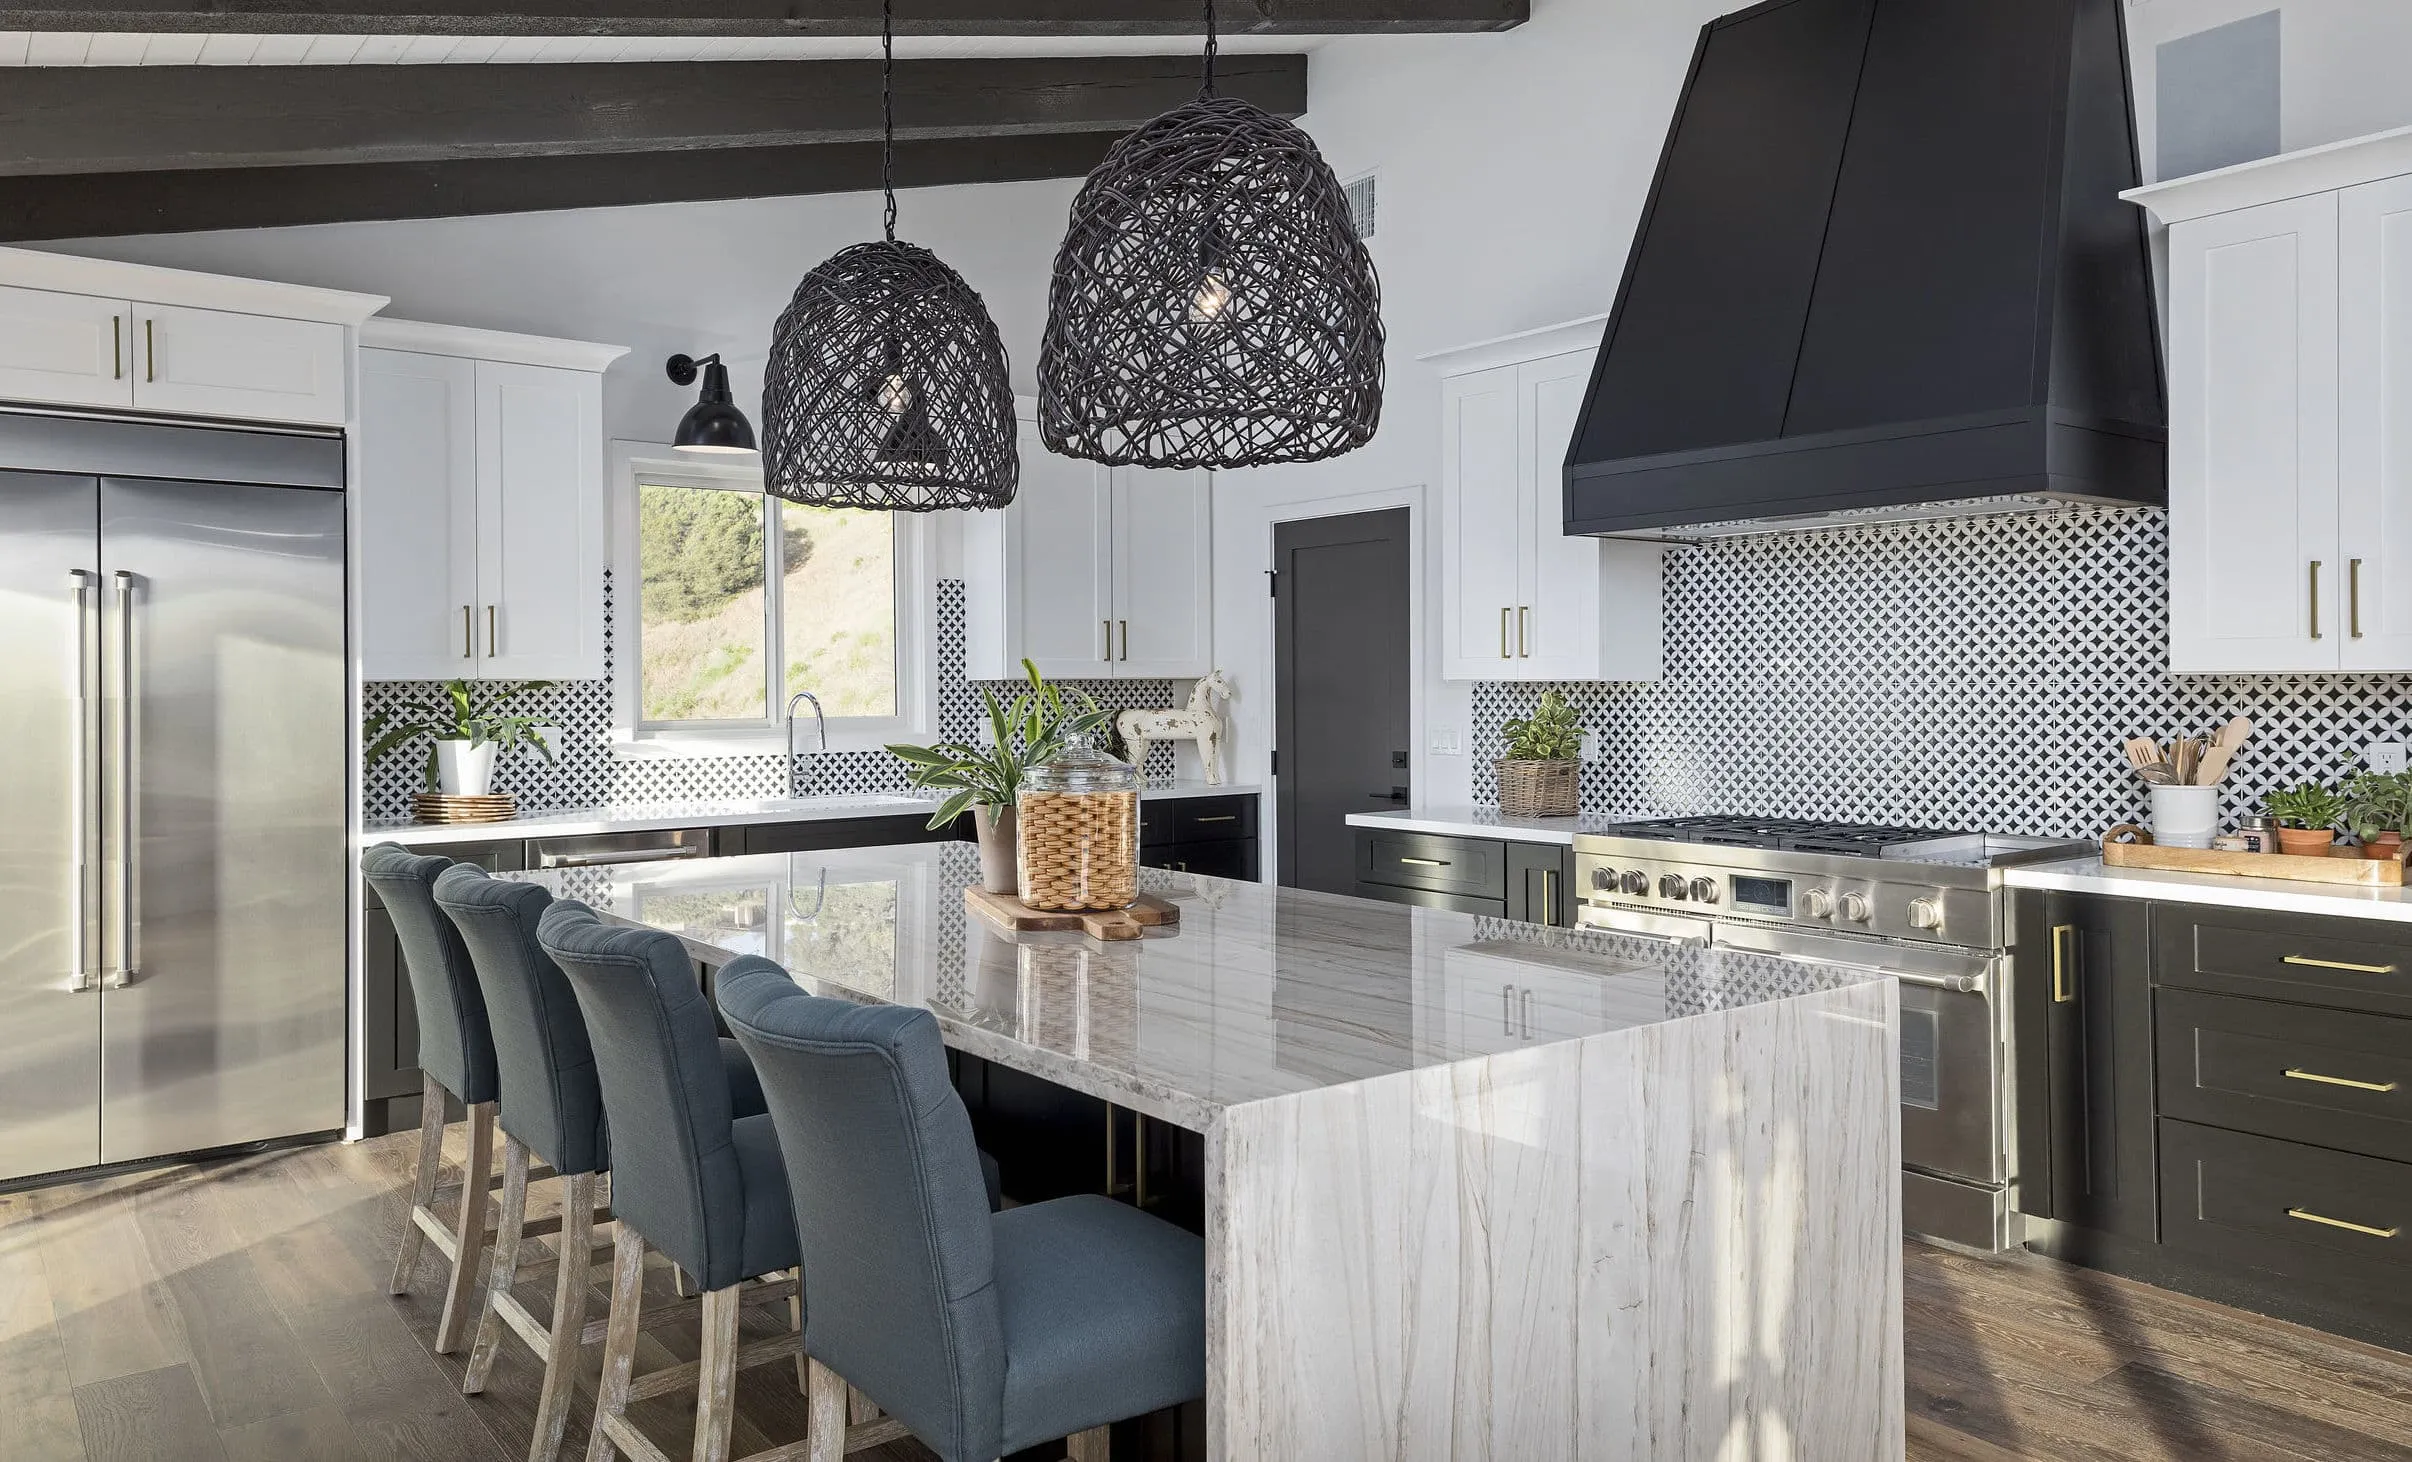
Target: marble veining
(2278, 895)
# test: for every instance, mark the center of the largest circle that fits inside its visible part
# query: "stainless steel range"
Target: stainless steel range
(1923, 905)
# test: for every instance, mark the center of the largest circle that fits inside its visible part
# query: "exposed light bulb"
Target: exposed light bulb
(1213, 296)
(895, 395)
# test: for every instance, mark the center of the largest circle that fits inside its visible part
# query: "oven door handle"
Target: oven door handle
(1959, 984)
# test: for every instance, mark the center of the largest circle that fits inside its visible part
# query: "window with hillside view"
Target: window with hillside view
(747, 599)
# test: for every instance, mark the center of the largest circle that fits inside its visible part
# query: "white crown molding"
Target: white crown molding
(423, 338)
(150, 284)
(2271, 179)
(1524, 345)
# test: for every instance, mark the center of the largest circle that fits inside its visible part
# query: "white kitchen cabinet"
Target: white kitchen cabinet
(2290, 373)
(1091, 573)
(97, 333)
(482, 504)
(1520, 600)
(63, 349)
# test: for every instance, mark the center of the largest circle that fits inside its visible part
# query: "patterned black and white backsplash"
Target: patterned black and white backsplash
(1975, 673)
(587, 774)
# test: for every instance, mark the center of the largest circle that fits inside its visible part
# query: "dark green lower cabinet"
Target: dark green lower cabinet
(1215, 836)
(1540, 884)
(1532, 883)
(2082, 976)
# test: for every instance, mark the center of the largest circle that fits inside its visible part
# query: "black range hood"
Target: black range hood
(1884, 272)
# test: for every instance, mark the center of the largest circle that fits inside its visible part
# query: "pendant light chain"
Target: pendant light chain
(1213, 44)
(887, 113)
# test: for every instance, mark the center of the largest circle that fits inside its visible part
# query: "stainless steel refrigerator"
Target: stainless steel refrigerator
(174, 724)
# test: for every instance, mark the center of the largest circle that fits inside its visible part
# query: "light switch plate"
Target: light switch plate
(1591, 746)
(2385, 756)
(1447, 743)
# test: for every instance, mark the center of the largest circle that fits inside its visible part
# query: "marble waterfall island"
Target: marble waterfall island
(1474, 1189)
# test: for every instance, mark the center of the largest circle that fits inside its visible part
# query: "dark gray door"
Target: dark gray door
(1340, 631)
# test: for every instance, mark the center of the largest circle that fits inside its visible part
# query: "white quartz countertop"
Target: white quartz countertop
(1259, 992)
(1486, 822)
(2281, 895)
(572, 822)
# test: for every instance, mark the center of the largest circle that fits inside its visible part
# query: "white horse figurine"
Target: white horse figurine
(1200, 722)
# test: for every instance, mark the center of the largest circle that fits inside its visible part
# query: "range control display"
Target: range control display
(1763, 895)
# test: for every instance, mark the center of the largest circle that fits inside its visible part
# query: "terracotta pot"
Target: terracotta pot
(2384, 846)
(2305, 842)
(999, 869)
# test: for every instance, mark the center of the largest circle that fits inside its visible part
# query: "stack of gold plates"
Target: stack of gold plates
(442, 807)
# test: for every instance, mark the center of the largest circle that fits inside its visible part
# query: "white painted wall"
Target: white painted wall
(2340, 63)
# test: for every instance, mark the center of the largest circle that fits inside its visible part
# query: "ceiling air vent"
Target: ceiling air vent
(1360, 196)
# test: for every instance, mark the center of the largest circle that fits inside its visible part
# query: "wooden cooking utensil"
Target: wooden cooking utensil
(2214, 765)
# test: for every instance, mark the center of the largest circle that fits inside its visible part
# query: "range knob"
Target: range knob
(1671, 886)
(1636, 882)
(1704, 890)
(1604, 879)
(1818, 903)
(1925, 914)
(1855, 907)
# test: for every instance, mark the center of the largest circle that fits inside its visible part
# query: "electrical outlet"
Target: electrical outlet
(1591, 746)
(2385, 756)
(1447, 743)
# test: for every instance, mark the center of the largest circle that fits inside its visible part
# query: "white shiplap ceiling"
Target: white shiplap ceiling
(110, 48)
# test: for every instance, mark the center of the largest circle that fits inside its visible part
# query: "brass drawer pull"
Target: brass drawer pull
(1425, 862)
(1219, 817)
(2354, 1228)
(2299, 1075)
(2338, 964)
(2063, 991)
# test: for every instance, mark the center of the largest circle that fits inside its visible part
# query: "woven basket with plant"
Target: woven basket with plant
(1539, 775)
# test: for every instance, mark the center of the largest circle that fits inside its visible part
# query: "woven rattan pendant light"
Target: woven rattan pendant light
(887, 385)
(1212, 306)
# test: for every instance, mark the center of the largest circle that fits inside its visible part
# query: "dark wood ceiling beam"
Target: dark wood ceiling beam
(773, 17)
(97, 205)
(78, 119)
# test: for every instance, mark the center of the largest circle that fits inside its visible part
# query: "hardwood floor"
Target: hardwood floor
(236, 1311)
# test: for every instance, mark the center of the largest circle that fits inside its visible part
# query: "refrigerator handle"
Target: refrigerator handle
(79, 786)
(128, 966)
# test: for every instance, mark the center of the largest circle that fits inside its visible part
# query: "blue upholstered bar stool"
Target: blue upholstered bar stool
(690, 1178)
(550, 1110)
(983, 1333)
(456, 1058)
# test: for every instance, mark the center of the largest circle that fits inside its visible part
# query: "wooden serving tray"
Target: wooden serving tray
(1013, 916)
(2342, 866)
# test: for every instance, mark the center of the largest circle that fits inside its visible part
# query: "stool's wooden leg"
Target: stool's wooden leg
(571, 1285)
(859, 1407)
(716, 1376)
(423, 1185)
(1094, 1445)
(503, 1267)
(469, 1230)
(620, 1341)
(828, 1436)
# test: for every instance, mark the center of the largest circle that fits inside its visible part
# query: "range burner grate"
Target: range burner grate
(1795, 835)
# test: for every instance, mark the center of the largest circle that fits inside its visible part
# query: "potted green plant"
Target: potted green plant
(2307, 817)
(1538, 776)
(467, 726)
(2378, 808)
(984, 778)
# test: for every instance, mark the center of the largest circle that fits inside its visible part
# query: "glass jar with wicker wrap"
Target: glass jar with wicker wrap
(1078, 819)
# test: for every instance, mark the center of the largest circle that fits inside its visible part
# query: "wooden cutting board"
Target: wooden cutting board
(1015, 917)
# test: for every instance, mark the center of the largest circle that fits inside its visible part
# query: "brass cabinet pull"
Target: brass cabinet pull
(1221, 817)
(1126, 638)
(1503, 626)
(2337, 964)
(2298, 1075)
(468, 633)
(2354, 1228)
(117, 348)
(490, 630)
(1524, 626)
(2064, 989)
(2353, 597)
(1549, 895)
(1425, 862)
(150, 352)
(2315, 598)
(1109, 638)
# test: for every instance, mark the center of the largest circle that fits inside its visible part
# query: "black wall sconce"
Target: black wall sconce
(713, 423)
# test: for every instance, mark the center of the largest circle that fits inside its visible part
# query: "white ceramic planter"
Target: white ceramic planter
(2184, 817)
(465, 769)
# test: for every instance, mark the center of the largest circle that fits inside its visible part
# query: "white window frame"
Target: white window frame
(635, 739)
